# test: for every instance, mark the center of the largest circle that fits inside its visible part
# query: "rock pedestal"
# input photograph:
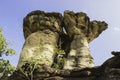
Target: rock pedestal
(81, 31)
(41, 31)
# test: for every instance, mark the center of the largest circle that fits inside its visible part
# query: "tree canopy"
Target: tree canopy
(6, 69)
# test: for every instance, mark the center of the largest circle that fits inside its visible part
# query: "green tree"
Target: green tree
(6, 69)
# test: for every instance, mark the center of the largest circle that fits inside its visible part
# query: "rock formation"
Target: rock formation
(81, 31)
(109, 70)
(41, 31)
(57, 48)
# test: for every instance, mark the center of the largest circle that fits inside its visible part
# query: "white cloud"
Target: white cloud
(117, 29)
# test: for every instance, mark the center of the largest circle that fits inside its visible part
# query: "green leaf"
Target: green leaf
(10, 51)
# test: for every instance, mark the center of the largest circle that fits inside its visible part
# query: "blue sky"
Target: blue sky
(12, 13)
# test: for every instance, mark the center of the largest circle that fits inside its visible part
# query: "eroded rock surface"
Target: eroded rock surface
(79, 55)
(95, 29)
(40, 21)
(81, 31)
(109, 70)
(80, 24)
(44, 38)
(41, 31)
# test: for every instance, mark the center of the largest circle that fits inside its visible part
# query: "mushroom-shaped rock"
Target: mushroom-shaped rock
(81, 31)
(41, 32)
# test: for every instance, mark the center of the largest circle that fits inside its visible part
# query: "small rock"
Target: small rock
(115, 53)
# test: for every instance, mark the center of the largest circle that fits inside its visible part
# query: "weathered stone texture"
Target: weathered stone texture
(76, 23)
(41, 31)
(95, 29)
(40, 20)
(110, 70)
(81, 31)
(50, 36)
(39, 48)
(79, 55)
(80, 24)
